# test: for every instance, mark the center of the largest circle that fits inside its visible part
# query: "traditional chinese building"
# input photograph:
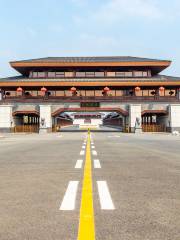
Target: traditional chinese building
(133, 87)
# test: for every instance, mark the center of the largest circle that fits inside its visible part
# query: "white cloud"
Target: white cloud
(114, 10)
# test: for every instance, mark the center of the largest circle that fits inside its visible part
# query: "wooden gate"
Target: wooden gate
(153, 128)
(27, 128)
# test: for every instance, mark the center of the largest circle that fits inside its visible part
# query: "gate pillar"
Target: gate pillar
(135, 122)
(174, 117)
(6, 119)
(45, 120)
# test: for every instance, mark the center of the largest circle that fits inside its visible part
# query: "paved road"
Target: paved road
(136, 192)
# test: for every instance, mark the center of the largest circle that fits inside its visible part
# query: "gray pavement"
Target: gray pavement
(142, 173)
(75, 128)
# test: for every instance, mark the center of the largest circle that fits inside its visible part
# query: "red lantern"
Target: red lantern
(19, 90)
(137, 89)
(106, 89)
(161, 89)
(73, 89)
(43, 89)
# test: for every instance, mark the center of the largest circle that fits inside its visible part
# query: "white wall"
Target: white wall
(93, 122)
(174, 115)
(6, 119)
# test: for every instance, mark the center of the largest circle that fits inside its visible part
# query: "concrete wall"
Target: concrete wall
(174, 117)
(93, 122)
(6, 119)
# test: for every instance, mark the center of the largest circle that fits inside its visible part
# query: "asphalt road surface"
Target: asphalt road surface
(135, 186)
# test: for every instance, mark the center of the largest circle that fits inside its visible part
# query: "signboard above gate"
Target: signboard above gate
(90, 104)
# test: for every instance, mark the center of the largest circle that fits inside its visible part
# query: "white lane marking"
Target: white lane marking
(94, 153)
(83, 147)
(82, 152)
(60, 136)
(68, 202)
(92, 147)
(79, 164)
(115, 136)
(104, 196)
(97, 163)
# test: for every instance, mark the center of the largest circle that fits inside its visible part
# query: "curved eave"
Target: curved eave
(86, 64)
(24, 67)
(87, 84)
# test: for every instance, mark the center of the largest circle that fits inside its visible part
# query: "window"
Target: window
(60, 74)
(128, 74)
(80, 74)
(119, 93)
(138, 73)
(98, 93)
(145, 74)
(69, 74)
(59, 93)
(89, 74)
(41, 74)
(38, 74)
(111, 74)
(89, 93)
(120, 74)
(99, 74)
(31, 74)
(34, 74)
(51, 75)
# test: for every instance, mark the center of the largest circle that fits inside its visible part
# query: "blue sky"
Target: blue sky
(41, 28)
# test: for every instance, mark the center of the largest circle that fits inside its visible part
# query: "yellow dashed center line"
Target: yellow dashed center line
(86, 221)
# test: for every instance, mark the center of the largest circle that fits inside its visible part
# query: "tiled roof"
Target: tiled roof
(161, 78)
(92, 59)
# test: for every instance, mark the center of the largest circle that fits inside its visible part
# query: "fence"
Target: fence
(26, 128)
(153, 128)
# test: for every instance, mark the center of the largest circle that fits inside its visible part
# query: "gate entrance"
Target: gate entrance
(96, 118)
(116, 120)
(61, 120)
(154, 121)
(26, 122)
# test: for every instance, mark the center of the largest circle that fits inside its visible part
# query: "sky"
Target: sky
(54, 28)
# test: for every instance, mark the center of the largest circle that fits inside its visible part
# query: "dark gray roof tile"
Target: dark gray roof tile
(92, 59)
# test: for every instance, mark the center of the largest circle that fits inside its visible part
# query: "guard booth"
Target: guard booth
(27, 122)
(154, 121)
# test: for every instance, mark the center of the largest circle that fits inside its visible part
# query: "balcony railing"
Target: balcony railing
(91, 98)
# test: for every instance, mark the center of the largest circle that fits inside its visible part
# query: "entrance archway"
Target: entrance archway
(119, 121)
(26, 121)
(60, 120)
